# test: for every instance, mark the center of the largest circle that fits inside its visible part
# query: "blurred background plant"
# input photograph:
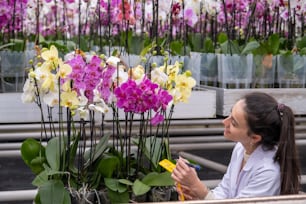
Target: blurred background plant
(184, 25)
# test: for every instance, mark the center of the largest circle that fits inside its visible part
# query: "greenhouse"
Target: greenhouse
(134, 101)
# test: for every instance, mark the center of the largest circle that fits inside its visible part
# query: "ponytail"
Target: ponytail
(286, 154)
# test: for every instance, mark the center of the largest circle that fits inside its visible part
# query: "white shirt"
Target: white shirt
(260, 175)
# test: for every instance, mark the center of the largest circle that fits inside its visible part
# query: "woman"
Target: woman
(264, 161)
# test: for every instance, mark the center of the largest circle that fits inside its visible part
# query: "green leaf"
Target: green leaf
(6, 45)
(115, 185)
(301, 43)
(140, 188)
(147, 49)
(303, 51)
(93, 154)
(222, 38)
(273, 44)
(158, 179)
(153, 149)
(52, 192)
(33, 154)
(53, 153)
(126, 182)
(208, 46)
(107, 165)
(40, 179)
(230, 47)
(67, 198)
(116, 197)
(73, 151)
(176, 47)
(250, 47)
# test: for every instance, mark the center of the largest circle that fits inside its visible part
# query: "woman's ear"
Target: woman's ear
(256, 138)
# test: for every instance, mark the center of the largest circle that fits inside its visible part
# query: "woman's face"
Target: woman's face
(235, 125)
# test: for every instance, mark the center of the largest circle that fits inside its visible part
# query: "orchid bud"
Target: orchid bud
(154, 65)
(188, 73)
(102, 56)
(143, 59)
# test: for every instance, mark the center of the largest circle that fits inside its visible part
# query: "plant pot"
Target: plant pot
(235, 71)
(264, 68)
(12, 71)
(160, 194)
(291, 71)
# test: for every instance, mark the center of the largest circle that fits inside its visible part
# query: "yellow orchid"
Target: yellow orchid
(70, 100)
(183, 87)
(184, 82)
(49, 83)
(137, 73)
(66, 86)
(50, 56)
(64, 69)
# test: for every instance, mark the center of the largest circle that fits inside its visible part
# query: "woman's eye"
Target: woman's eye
(233, 122)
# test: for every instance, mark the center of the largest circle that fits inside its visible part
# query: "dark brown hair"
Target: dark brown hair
(276, 125)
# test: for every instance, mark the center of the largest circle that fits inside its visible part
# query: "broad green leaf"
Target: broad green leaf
(53, 153)
(52, 192)
(230, 47)
(303, 51)
(116, 197)
(209, 46)
(250, 47)
(32, 153)
(126, 182)
(67, 198)
(40, 179)
(222, 38)
(273, 44)
(30, 149)
(115, 185)
(140, 188)
(107, 165)
(176, 47)
(158, 179)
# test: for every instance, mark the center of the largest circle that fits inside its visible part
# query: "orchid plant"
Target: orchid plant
(81, 155)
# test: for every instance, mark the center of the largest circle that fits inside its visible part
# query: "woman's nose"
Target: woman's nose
(225, 121)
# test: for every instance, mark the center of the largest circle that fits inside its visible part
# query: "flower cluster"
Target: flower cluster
(87, 84)
(92, 82)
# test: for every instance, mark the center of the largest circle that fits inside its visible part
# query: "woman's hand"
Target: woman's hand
(190, 185)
